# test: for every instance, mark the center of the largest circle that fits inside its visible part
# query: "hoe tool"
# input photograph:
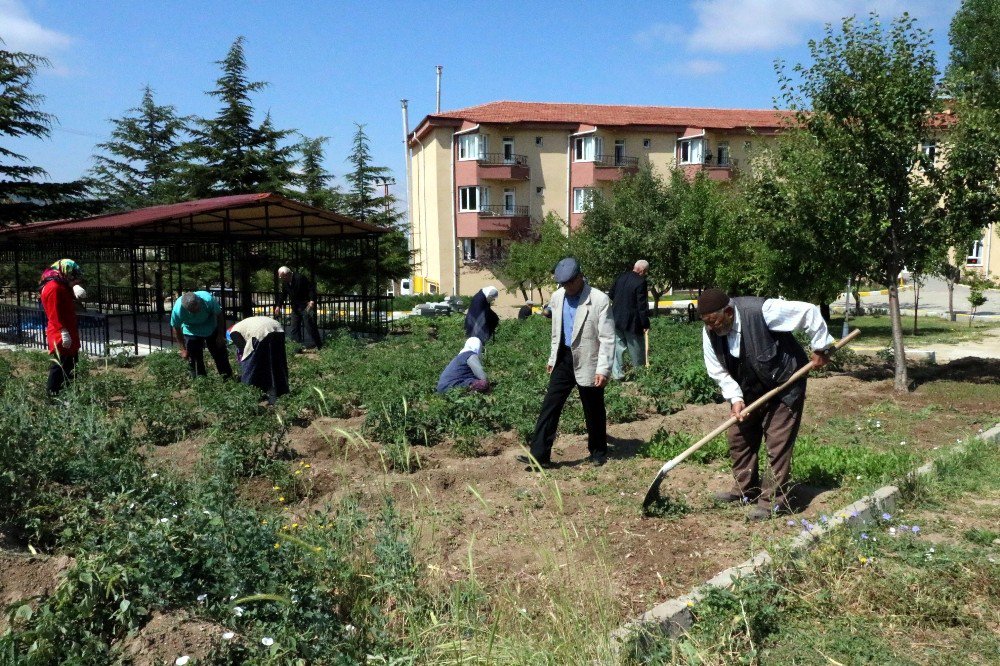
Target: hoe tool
(653, 494)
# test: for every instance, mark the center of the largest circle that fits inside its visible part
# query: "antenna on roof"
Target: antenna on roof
(439, 68)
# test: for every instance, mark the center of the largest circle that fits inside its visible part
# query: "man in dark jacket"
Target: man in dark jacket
(749, 348)
(300, 293)
(630, 308)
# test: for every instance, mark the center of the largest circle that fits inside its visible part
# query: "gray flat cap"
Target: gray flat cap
(566, 270)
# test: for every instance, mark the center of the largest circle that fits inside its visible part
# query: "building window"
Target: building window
(472, 199)
(583, 198)
(471, 146)
(929, 149)
(975, 257)
(538, 141)
(722, 153)
(586, 148)
(468, 249)
(646, 143)
(692, 151)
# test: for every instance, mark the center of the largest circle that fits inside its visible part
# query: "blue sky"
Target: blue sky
(332, 64)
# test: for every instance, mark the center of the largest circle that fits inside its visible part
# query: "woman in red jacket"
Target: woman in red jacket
(60, 310)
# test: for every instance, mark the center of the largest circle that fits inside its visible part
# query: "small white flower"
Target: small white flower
(350, 629)
(202, 598)
(892, 531)
(153, 475)
(232, 596)
(903, 443)
(229, 635)
(267, 641)
(175, 516)
(238, 611)
(858, 477)
(164, 520)
(206, 512)
(180, 661)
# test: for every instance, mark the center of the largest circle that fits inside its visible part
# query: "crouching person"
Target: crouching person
(260, 351)
(465, 370)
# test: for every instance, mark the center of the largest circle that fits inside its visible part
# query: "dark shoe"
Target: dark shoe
(598, 459)
(730, 497)
(532, 466)
(760, 513)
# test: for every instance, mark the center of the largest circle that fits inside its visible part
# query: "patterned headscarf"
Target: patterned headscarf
(67, 268)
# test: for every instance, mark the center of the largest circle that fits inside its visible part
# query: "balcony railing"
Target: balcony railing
(620, 161)
(711, 161)
(503, 211)
(500, 159)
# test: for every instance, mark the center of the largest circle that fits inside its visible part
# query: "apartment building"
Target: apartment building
(480, 175)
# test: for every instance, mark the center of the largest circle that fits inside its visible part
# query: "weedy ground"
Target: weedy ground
(369, 519)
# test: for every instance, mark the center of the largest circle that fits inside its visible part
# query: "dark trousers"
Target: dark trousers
(304, 329)
(777, 425)
(60, 372)
(195, 346)
(561, 383)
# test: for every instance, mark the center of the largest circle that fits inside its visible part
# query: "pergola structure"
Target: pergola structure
(136, 263)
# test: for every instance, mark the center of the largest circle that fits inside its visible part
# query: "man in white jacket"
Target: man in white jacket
(580, 355)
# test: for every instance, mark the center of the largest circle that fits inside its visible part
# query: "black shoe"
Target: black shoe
(598, 459)
(730, 497)
(532, 465)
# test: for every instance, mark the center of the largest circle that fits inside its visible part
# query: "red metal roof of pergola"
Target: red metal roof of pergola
(247, 215)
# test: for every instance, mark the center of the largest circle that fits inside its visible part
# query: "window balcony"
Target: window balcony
(500, 166)
(613, 167)
(722, 171)
(503, 218)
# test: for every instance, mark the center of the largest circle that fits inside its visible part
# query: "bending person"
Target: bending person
(465, 370)
(198, 322)
(480, 320)
(260, 351)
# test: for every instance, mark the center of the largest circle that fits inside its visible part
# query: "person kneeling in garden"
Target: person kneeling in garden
(260, 351)
(749, 349)
(465, 370)
(198, 322)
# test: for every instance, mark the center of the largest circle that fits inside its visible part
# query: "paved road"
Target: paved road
(933, 300)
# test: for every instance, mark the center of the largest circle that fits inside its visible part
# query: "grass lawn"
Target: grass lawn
(876, 331)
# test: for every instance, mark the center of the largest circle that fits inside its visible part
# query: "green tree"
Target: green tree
(866, 101)
(229, 154)
(315, 179)
(973, 74)
(530, 260)
(22, 197)
(139, 165)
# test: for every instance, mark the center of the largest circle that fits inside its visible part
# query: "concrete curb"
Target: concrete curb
(672, 618)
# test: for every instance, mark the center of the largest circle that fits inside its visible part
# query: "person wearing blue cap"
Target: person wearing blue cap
(580, 355)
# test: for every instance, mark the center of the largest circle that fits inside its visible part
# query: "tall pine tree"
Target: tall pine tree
(23, 198)
(140, 163)
(314, 179)
(229, 154)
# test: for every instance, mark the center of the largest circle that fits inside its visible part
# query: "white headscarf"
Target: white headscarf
(473, 345)
(490, 293)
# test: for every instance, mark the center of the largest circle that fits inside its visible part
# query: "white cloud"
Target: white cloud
(22, 33)
(738, 26)
(700, 67)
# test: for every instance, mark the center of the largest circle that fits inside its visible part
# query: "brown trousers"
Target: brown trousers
(777, 424)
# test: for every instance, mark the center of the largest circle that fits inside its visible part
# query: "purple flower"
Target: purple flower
(791, 523)
(824, 519)
(854, 514)
(886, 516)
(864, 536)
(915, 529)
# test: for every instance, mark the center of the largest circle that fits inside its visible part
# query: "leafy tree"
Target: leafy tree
(530, 260)
(973, 73)
(229, 154)
(140, 163)
(866, 100)
(315, 180)
(22, 197)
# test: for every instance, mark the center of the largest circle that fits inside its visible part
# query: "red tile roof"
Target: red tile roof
(246, 214)
(616, 115)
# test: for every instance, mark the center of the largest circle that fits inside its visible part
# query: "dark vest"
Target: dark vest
(767, 358)
(457, 373)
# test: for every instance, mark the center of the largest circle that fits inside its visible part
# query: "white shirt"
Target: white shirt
(781, 317)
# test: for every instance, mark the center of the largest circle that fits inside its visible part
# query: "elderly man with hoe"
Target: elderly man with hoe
(749, 349)
(580, 352)
(198, 322)
(300, 292)
(630, 307)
